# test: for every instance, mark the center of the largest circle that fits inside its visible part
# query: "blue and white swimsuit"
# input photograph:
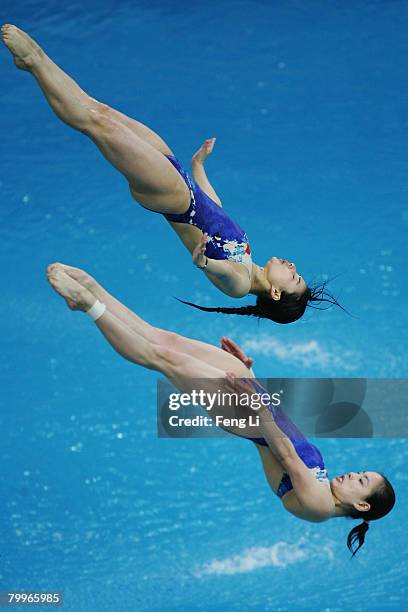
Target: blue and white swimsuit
(226, 239)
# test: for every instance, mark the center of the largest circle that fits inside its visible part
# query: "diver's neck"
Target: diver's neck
(259, 284)
(339, 510)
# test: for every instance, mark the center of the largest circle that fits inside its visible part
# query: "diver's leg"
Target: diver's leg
(129, 318)
(128, 343)
(138, 128)
(144, 132)
(208, 353)
(153, 181)
(188, 373)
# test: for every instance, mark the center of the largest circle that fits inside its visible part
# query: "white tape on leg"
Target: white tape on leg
(96, 311)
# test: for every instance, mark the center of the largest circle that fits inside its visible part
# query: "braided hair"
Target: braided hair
(289, 308)
(382, 502)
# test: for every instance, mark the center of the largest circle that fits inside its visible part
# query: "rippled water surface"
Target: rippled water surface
(308, 101)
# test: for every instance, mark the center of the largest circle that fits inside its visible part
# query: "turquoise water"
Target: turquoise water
(308, 102)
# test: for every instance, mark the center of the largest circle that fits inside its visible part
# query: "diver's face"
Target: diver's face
(283, 276)
(353, 488)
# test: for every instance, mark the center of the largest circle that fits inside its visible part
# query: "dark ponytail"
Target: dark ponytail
(357, 534)
(243, 310)
(382, 502)
(289, 308)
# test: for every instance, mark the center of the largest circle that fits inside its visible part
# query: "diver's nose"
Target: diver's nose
(290, 265)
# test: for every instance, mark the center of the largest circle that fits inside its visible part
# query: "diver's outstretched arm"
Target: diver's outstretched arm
(199, 173)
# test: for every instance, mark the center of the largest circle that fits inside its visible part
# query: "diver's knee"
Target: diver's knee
(98, 117)
(167, 357)
(168, 339)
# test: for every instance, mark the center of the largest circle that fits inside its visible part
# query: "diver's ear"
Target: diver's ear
(275, 293)
(362, 506)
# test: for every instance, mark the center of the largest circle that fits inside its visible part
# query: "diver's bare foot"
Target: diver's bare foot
(25, 51)
(83, 278)
(77, 296)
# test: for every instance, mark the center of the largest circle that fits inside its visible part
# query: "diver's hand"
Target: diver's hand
(237, 385)
(204, 151)
(199, 258)
(229, 346)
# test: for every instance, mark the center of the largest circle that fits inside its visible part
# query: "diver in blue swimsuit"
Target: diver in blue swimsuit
(159, 183)
(293, 466)
(223, 239)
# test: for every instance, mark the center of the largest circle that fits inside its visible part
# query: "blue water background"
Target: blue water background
(308, 101)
